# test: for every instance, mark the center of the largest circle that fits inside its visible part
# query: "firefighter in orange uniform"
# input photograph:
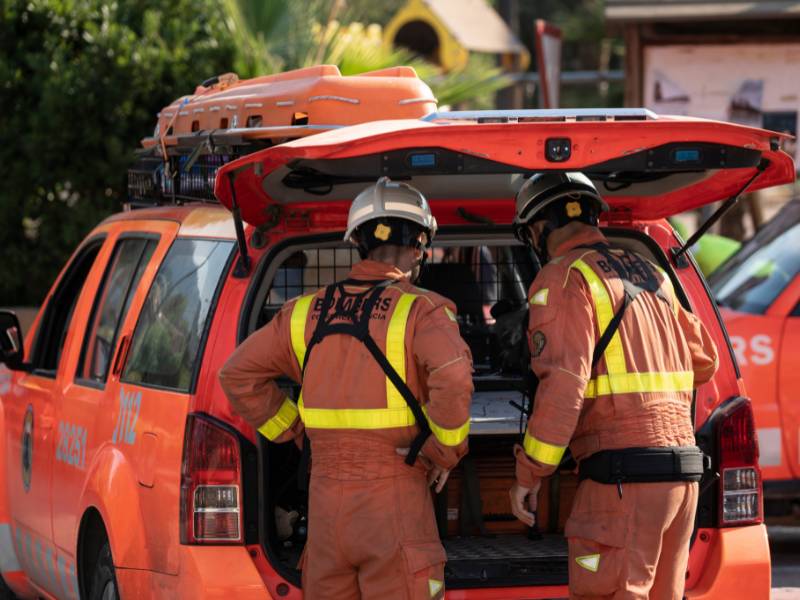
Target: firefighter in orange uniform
(386, 390)
(617, 358)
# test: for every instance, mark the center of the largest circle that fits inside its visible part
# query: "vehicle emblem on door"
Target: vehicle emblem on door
(27, 448)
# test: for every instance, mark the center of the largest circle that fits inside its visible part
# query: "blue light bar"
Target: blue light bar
(687, 155)
(422, 160)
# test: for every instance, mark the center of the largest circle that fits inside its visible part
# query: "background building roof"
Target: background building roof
(476, 26)
(617, 11)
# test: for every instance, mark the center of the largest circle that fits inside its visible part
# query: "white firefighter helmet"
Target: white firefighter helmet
(392, 200)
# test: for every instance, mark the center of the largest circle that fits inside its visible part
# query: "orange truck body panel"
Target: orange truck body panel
(766, 348)
(730, 563)
(74, 451)
(142, 519)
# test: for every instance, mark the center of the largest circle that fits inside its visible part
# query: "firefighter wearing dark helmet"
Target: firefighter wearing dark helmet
(386, 379)
(617, 358)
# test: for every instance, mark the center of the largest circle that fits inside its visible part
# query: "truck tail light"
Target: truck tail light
(741, 493)
(211, 484)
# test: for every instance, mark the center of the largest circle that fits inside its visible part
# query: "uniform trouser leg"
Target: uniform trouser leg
(617, 545)
(373, 539)
(326, 572)
(408, 562)
(671, 570)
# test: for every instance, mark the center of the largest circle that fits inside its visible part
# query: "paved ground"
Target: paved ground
(784, 542)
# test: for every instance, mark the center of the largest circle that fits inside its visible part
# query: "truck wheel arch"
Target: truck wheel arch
(92, 535)
(110, 500)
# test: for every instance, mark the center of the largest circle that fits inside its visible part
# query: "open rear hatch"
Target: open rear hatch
(470, 167)
(645, 166)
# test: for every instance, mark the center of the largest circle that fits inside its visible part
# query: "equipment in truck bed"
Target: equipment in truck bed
(474, 276)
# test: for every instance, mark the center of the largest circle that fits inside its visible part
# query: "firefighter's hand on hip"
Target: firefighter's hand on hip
(436, 475)
(519, 506)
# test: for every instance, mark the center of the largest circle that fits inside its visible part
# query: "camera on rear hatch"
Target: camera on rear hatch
(558, 149)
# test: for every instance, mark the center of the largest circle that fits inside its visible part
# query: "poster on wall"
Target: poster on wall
(750, 84)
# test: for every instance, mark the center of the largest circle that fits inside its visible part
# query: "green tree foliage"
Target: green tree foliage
(80, 84)
(586, 46)
(279, 35)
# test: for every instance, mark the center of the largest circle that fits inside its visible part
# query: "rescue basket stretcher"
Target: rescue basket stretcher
(227, 118)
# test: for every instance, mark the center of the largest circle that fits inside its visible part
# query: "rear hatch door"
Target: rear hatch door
(645, 166)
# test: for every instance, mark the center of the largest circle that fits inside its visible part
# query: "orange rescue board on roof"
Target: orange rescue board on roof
(648, 167)
(293, 104)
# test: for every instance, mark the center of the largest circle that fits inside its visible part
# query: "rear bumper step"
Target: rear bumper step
(505, 560)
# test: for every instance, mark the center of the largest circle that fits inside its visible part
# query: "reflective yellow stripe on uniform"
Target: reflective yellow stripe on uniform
(614, 354)
(355, 418)
(281, 421)
(619, 380)
(297, 327)
(547, 454)
(630, 383)
(396, 349)
(448, 437)
(396, 413)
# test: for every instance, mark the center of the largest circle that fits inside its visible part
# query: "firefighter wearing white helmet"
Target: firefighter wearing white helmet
(391, 213)
(617, 358)
(386, 391)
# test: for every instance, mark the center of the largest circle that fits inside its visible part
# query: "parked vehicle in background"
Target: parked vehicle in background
(758, 290)
(711, 250)
(125, 472)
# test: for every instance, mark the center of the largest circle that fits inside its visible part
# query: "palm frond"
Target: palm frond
(275, 35)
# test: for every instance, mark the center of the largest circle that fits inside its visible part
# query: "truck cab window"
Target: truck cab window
(55, 322)
(167, 343)
(124, 270)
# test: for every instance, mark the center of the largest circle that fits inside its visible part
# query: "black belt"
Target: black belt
(644, 465)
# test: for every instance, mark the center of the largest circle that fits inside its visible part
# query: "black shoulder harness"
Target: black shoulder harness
(355, 310)
(637, 276)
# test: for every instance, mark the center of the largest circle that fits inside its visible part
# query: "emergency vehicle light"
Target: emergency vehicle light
(422, 160)
(686, 156)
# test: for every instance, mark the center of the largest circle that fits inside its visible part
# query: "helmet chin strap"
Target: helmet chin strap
(541, 247)
(421, 262)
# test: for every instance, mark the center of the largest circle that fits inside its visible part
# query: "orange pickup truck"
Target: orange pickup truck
(124, 472)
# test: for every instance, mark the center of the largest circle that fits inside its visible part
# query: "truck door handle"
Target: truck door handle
(122, 354)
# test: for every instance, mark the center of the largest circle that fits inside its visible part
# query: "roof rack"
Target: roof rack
(238, 136)
(544, 115)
